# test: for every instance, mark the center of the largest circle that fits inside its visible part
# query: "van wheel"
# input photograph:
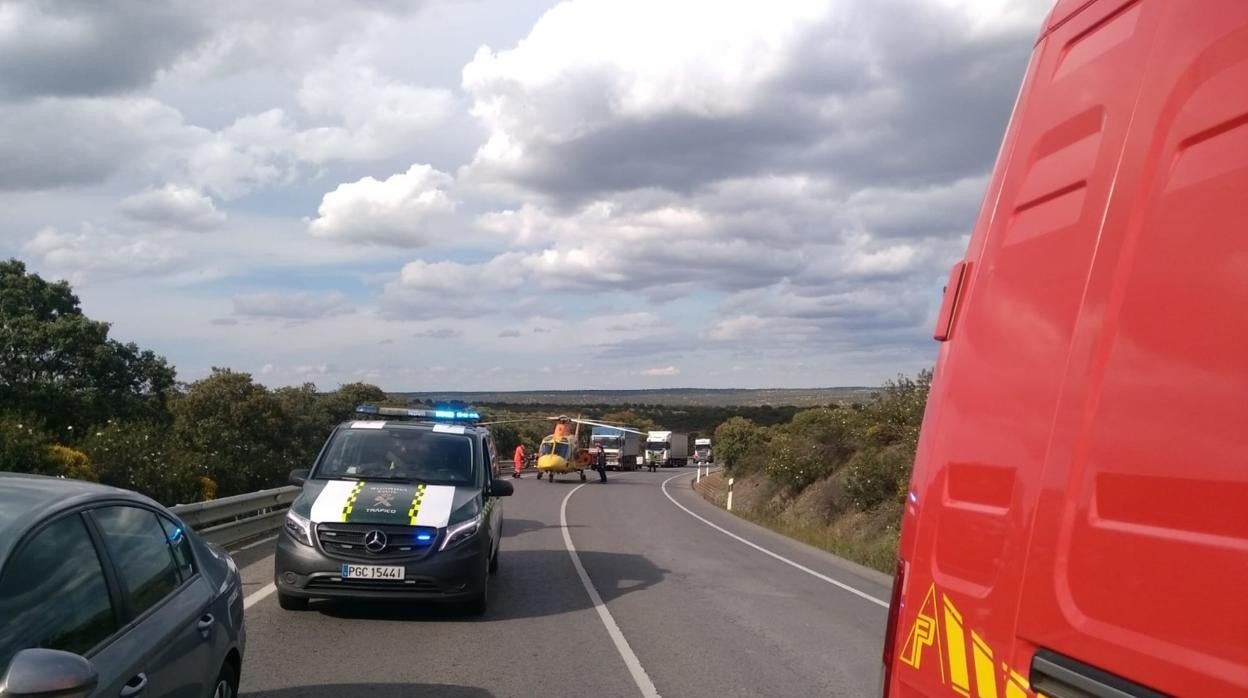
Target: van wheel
(227, 682)
(291, 603)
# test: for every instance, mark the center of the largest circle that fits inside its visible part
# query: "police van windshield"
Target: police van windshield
(397, 453)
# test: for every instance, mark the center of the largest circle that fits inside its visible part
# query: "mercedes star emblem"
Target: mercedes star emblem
(375, 541)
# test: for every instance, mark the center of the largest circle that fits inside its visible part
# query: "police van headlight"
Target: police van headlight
(465, 523)
(299, 528)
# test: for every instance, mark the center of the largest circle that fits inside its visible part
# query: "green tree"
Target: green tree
(140, 456)
(734, 438)
(309, 417)
(234, 430)
(56, 359)
(340, 405)
(24, 444)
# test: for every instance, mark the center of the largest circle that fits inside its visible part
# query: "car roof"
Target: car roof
(24, 499)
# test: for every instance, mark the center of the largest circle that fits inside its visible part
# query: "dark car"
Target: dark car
(395, 508)
(104, 592)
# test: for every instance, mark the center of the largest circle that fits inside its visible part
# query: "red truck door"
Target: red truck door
(999, 376)
(1137, 571)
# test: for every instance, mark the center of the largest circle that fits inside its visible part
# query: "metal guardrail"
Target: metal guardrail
(232, 519)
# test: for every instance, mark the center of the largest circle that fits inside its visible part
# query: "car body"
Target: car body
(1075, 520)
(111, 583)
(426, 510)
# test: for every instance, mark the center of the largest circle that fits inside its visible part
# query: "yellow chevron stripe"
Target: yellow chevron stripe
(355, 492)
(415, 508)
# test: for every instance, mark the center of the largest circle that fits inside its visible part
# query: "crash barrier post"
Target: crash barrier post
(730, 481)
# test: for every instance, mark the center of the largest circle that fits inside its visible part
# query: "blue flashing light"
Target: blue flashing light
(424, 537)
(444, 414)
(367, 409)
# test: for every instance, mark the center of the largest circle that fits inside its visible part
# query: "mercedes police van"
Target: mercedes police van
(402, 505)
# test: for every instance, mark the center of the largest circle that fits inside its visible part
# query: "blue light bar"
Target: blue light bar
(440, 414)
(367, 409)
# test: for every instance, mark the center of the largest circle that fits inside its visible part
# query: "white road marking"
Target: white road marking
(262, 541)
(640, 677)
(258, 595)
(781, 558)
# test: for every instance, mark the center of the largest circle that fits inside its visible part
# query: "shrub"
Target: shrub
(24, 445)
(71, 463)
(796, 461)
(734, 438)
(138, 456)
(878, 475)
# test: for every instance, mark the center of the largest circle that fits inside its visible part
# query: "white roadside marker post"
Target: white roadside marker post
(699, 477)
(730, 481)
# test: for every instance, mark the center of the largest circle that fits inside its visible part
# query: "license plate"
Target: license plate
(373, 572)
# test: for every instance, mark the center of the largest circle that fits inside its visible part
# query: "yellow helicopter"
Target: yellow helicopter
(561, 452)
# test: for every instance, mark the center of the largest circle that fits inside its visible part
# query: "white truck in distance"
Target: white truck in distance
(622, 448)
(702, 451)
(666, 448)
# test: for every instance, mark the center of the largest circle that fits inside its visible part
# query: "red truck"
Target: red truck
(1077, 520)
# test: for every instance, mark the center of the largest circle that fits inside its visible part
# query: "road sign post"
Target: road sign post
(730, 481)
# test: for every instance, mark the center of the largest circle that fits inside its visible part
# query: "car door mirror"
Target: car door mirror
(501, 488)
(298, 477)
(48, 674)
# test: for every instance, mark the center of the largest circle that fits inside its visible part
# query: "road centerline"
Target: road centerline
(640, 677)
(796, 565)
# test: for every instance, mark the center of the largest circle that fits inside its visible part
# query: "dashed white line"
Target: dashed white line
(640, 677)
(258, 595)
(840, 585)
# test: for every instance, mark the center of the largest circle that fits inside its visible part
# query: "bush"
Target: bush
(796, 461)
(734, 438)
(139, 456)
(879, 475)
(24, 445)
(71, 463)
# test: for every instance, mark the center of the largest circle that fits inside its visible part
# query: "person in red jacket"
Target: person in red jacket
(519, 459)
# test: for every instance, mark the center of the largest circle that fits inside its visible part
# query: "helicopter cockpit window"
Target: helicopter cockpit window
(545, 449)
(398, 454)
(563, 451)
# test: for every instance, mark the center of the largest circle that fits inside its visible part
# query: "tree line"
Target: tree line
(76, 403)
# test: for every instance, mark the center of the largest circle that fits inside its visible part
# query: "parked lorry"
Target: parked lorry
(702, 451)
(667, 448)
(1075, 523)
(623, 448)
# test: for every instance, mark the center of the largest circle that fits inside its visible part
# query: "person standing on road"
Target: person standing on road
(600, 463)
(519, 460)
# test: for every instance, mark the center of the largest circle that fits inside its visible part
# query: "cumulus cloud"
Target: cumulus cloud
(302, 305)
(661, 372)
(95, 253)
(576, 109)
(378, 115)
(396, 211)
(173, 206)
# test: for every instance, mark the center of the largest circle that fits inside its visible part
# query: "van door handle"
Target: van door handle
(134, 686)
(205, 624)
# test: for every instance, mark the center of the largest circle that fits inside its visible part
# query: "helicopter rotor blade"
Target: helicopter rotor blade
(593, 423)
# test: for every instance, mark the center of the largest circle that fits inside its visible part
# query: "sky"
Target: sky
(508, 194)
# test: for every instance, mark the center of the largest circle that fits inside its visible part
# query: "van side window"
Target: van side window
(53, 594)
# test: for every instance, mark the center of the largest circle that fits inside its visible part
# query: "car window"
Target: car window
(181, 547)
(140, 550)
(53, 594)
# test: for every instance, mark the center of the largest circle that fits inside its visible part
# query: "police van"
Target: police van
(401, 505)
(1076, 521)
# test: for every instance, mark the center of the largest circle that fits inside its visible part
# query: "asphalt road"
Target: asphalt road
(687, 609)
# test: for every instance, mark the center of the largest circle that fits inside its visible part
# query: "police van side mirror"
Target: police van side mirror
(298, 477)
(501, 488)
